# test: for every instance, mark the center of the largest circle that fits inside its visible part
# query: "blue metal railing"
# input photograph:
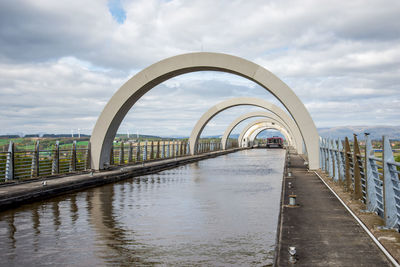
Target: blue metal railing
(375, 181)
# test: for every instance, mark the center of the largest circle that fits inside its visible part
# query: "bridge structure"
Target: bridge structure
(372, 181)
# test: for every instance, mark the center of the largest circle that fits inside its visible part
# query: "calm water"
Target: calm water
(221, 211)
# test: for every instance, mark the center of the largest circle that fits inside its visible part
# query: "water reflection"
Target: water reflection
(214, 212)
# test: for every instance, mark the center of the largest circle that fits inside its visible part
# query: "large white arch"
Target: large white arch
(298, 141)
(233, 102)
(261, 123)
(121, 102)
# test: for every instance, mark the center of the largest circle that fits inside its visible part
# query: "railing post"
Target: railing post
(10, 164)
(35, 161)
(321, 154)
(374, 183)
(347, 155)
(121, 154)
(130, 152)
(335, 156)
(330, 159)
(137, 159)
(168, 149)
(152, 150)
(356, 170)
(88, 156)
(187, 148)
(158, 150)
(112, 154)
(55, 166)
(390, 186)
(341, 162)
(72, 165)
(145, 151)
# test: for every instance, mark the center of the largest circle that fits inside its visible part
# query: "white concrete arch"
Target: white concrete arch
(261, 123)
(297, 137)
(239, 101)
(121, 102)
(253, 134)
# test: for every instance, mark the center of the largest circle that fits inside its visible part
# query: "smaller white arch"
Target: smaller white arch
(240, 101)
(297, 142)
(258, 130)
(257, 124)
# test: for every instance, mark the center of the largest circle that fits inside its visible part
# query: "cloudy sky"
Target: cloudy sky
(60, 61)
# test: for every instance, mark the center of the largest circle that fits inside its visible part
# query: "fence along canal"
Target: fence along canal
(16, 164)
(371, 179)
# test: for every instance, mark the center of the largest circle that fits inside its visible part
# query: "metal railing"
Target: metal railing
(27, 164)
(373, 180)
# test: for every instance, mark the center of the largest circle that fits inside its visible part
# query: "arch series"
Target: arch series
(240, 101)
(121, 102)
(258, 124)
(297, 143)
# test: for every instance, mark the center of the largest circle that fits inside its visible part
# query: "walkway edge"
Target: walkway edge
(376, 241)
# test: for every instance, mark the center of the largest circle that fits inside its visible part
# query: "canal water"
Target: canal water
(216, 212)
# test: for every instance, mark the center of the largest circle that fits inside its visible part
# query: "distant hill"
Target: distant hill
(376, 132)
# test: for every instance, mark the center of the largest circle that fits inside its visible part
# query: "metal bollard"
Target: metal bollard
(292, 255)
(292, 200)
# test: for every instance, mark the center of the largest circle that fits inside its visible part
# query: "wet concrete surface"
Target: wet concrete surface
(320, 228)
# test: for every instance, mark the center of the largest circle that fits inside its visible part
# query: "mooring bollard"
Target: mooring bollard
(292, 254)
(292, 200)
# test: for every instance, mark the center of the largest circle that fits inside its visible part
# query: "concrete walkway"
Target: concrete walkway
(320, 228)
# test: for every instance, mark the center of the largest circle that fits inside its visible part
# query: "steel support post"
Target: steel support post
(158, 150)
(321, 154)
(168, 150)
(112, 154)
(374, 183)
(55, 165)
(72, 164)
(330, 158)
(145, 151)
(10, 165)
(121, 154)
(335, 156)
(347, 154)
(357, 193)
(152, 150)
(137, 152)
(88, 156)
(391, 186)
(130, 152)
(341, 162)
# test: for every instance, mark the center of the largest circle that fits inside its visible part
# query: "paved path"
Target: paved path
(320, 228)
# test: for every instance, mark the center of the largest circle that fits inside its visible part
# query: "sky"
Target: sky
(61, 61)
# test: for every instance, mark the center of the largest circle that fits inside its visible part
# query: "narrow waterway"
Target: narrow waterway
(220, 211)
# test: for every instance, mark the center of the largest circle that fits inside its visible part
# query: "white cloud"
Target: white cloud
(60, 61)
